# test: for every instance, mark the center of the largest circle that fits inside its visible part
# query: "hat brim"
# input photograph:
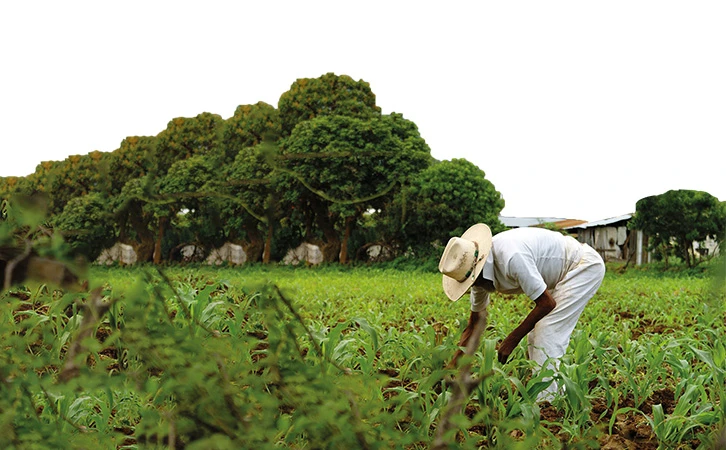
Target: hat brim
(482, 235)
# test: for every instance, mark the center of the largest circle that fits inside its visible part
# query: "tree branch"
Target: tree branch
(325, 196)
(462, 387)
(14, 262)
(355, 412)
(94, 308)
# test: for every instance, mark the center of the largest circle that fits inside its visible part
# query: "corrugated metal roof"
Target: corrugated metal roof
(603, 222)
(517, 222)
(569, 223)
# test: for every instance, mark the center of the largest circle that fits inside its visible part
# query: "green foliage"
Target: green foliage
(328, 94)
(132, 166)
(346, 358)
(326, 167)
(250, 125)
(8, 187)
(339, 167)
(678, 218)
(23, 225)
(87, 224)
(554, 227)
(133, 159)
(446, 199)
(346, 160)
(257, 202)
(188, 136)
(188, 190)
(77, 176)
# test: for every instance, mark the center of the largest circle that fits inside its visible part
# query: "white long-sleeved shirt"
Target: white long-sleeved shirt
(526, 260)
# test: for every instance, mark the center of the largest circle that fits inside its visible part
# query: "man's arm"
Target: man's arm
(544, 304)
(465, 336)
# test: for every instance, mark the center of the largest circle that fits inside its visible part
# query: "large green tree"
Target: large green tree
(256, 205)
(61, 181)
(185, 137)
(188, 190)
(131, 169)
(341, 166)
(182, 139)
(73, 193)
(251, 208)
(446, 199)
(329, 95)
(134, 158)
(676, 219)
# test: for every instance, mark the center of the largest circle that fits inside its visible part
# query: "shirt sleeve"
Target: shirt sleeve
(479, 299)
(525, 273)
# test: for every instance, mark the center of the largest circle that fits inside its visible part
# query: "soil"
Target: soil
(643, 325)
(630, 430)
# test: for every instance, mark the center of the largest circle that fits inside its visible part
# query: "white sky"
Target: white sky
(573, 109)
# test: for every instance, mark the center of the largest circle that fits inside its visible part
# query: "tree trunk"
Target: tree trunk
(159, 237)
(691, 254)
(268, 244)
(144, 248)
(346, 237)
(122, 224)
(330, 250)
(461, 388)
(664, 251)
(331, 247)
(254, 244)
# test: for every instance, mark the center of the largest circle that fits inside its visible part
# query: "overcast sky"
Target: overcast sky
(573, 109)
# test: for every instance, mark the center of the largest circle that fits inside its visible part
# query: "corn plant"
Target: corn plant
(691, 413)
(269, 357)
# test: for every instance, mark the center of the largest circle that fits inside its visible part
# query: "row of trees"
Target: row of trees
(325, 166)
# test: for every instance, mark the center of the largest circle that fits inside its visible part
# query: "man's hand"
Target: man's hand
(465, 335)
(506, 348)
(452, 363)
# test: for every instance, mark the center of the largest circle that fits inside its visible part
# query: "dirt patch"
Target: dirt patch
(648, 326)
(628, 315)
(600, 410)
(630, 430)
(549, 413)
(643, 325)
(634, 428)
(616, 442)
(664, 397)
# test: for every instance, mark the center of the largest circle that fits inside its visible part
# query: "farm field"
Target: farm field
(276, 357)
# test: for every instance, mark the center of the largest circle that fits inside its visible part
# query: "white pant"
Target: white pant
(551, 335)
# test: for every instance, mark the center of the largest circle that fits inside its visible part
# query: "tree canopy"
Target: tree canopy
(676, 219)
(325, 166)
(345, 165)
(446, 199)
(329, 94)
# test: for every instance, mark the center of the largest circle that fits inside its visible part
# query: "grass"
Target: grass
(646, 366)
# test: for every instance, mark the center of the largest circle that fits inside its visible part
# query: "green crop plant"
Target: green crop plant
(691, 412)
(339, 357)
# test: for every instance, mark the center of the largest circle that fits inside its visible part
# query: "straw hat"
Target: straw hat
(464, 258)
